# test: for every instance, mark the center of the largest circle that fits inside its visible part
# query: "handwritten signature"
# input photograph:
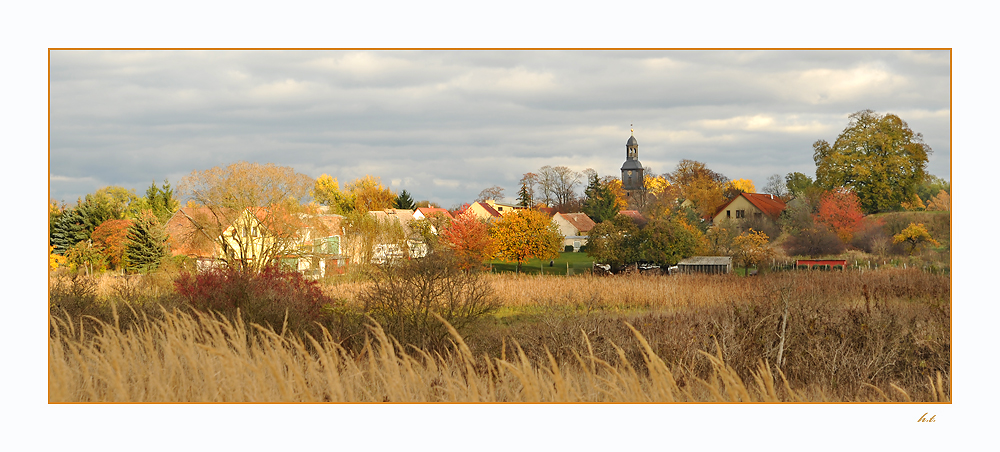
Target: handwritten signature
(925, 419)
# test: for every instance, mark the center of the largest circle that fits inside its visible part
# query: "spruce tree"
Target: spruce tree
(146, 245)
(600, 203)
(524, 197)
(404, 201)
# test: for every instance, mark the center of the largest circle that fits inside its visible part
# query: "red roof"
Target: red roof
(636, 216)
(490, 210)
(771, 205)
(427, 211)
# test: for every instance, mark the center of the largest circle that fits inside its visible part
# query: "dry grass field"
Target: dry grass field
(880, 336)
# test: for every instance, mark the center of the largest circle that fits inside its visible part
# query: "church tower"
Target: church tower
(633, 181)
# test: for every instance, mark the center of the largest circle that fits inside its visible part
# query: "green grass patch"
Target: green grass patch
(567, 263)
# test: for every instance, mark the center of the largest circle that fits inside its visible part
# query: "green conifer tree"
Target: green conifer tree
(146, 245)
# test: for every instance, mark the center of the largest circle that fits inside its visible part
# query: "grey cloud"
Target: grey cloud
(446, 124)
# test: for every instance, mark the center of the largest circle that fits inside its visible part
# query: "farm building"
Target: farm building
(706, 264)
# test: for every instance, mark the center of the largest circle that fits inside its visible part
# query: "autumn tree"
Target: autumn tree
(253, 212)
(615, 242)
(525, 234)
(112, 237)
(599, 203)
(369, 194)
(404, 201)
(840, 209)
(494, 193)
(146, 244)
(326, 191)
(743, 185)
(751, 249)
(931, 186)
(666, 241)
(942, 201)
(914, 235)
(877, 156)
(85, 256)
(469, 239)
(703, 187)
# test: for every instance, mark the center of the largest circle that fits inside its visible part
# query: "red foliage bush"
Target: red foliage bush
(262, 298)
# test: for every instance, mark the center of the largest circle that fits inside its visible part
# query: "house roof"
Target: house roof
(403, 216)
(707, 260)
(580, 221)
(427, 211)
(636, 216)
(489, 209)
(550, 211)
(770, 205)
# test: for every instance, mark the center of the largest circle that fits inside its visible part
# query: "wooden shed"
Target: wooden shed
(706, 264)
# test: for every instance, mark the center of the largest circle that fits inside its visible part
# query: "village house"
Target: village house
(574, 227)
(750, 206)
(484, 211)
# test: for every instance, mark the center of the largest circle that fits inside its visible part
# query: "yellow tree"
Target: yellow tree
(526, 234)
(750, 248)
(743, 185)
(615, 184)
(369, 194)
(914, 235)
(940, 202)
(326, 191)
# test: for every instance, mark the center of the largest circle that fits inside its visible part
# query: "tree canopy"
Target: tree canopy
(876, 156)
(525, 234)
(255, 211)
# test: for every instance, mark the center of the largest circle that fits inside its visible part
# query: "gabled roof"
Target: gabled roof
(636, 216)
(580, 221)
(427, 211)
(403, 216)
(770, 205)
(550, 211)
(489, 209)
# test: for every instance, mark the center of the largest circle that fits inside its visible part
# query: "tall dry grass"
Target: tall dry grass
(201, 358)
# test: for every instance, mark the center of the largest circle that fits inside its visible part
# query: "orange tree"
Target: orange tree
(914, 235)
(112, 236)
(524, 234)
(840, 210)
(469, 238)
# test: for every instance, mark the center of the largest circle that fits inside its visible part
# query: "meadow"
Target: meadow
(851, 336)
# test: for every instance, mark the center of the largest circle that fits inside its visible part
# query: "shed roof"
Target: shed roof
(707, 260)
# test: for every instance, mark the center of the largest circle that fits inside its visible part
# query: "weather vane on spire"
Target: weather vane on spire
(632, 128)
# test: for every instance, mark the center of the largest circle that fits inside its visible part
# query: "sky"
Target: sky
(445, 125)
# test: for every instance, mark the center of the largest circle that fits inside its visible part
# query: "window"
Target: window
(727, 214)
(741, 213)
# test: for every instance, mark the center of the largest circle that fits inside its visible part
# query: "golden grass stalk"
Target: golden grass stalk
(205, 358)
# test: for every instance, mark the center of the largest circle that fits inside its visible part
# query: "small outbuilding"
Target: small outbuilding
(706, 264)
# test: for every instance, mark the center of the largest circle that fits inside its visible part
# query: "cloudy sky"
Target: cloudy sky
(446, 124)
